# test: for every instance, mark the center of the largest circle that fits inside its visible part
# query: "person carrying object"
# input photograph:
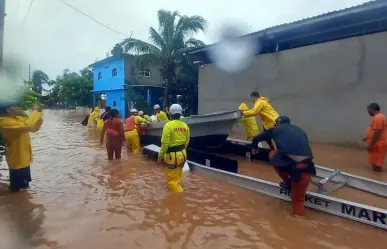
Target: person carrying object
(249, 123)
(174, 142)
(161, 116)
(265, 111)
(293, 159)
(15, 129)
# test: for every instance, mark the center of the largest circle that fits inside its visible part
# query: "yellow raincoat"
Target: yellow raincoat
(16, 134)
(162, 116)
(249, 123)
(175, 138)
(147, 118)
(265, 110)
(132, 137)
(94, 116)
(99, 125)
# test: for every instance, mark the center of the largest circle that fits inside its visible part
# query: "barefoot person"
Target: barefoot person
(376, 137)
(15, 130)
(292, 161)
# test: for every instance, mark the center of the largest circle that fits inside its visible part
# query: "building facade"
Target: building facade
(321, 72)
(116, 75)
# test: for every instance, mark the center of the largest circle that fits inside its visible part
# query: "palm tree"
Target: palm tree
(39, 78)
(167, 45)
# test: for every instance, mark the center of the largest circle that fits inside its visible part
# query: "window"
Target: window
(145, 73)
(114, 103)
(114, 72)
(100, 76)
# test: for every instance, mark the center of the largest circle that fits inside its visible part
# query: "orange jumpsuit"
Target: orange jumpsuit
(298, 188)
(379, 148)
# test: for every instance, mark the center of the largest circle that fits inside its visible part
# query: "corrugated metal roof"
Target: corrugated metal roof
(374, 4)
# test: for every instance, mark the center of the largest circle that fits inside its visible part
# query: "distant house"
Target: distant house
(116, 75)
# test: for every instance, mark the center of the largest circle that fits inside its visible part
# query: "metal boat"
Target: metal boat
(207, 130)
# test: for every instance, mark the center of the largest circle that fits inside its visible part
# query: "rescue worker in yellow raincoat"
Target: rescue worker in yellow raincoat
(266, 112)
(144, 116)
(15, 130)
(105, 116)
(161, 116)
(94, 116)
(173, 154)
(133, 131)
(249, 123)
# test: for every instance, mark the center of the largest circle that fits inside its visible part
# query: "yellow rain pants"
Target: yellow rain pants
(175, 133)
(132, 141)
(99, 125)
(174, 170)
(16, 134)
(249, 123)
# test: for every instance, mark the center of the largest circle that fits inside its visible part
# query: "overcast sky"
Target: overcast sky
(55, 37)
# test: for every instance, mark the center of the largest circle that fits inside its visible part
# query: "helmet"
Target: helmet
(133, 111)
(156, 107)
(175, 109)
(140, 113)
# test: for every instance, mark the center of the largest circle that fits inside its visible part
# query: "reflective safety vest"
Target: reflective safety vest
(131, 125)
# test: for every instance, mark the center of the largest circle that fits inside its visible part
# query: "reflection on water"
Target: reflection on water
(78, 199)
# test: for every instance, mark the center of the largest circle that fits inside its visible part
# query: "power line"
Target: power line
(93, 19)
(28, 11)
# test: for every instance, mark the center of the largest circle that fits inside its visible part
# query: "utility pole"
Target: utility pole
(29, 73)
(2, 17)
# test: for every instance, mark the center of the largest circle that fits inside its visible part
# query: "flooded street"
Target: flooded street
(80, 200)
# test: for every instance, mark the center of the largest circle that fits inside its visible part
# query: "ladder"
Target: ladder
(334, 175)
(369, 215)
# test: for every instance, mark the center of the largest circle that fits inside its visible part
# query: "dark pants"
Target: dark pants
(19, 178)
(269, 142)
(113, 146)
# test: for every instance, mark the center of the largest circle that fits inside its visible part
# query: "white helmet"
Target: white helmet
(133, 111)
(175, 109)
(156, 107)
(140, 113)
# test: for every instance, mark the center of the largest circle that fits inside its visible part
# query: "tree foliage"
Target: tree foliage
(167, 45)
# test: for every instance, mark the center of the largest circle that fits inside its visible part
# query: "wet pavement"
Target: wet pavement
(80, 200)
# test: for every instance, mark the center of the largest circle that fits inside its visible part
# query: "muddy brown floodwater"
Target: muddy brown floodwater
(80, 200)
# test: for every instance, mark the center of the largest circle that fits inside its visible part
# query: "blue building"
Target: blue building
(116, 75)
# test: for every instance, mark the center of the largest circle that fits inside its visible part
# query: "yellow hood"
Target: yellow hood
(264, 98)
(243, 107)
(96, 109)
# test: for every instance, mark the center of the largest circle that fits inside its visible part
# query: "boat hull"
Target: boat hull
(209, 130)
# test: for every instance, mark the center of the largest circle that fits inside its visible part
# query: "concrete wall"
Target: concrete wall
(108, 81)
(323, 88)
(133, 77)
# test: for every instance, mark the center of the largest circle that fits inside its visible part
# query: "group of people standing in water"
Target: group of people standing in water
(291, 156)
(174, 141)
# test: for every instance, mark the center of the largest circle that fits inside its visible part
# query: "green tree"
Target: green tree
(39, 79)
(73, 88)
(167, 45)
